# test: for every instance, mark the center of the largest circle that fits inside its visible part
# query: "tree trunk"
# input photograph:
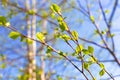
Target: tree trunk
(31, 47)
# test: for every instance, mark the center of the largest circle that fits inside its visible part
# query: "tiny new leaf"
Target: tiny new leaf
(55, 8)
(75, 35)
(92, 18)
(65, 37)
(14, 35)
(86, 65)
(90, 49)
(101, 65)
(79, 48)
(40, 36)
(102, 72)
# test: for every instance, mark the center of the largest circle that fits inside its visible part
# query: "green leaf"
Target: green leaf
(52, 15)
(49, 49)
(85, 51)
(3, 66)
(29, 41)
(61, 53)
(85, 65)
(3, 20)
(4, 3)
(102, 65)
(55, 8)
(79, 48)
(92, 18)
(65, 37)
(102, 72)
(31, 12)
(14, 35)
(40, 36)
(59, 77)
(94, 78)
(63, 26)
(107, 11)
(75, 35)
(90, 49)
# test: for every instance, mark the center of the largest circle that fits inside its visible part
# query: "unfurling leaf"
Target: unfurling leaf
(65, 37)
(75, 35)
(29, 41)
(86, 65)
(55, 8)
(102, 72)
(40, 36)
(101, 65)
(90, 49)
(92, 18)
(14, 35)
(85, 51)
(79, 48)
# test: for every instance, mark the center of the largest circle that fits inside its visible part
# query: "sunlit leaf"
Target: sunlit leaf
(59, 77)
(86, 65)
(40, 36)
(102, 72)
(92, 18)
(29, 41)
(101, 65)
(79, 48)
(75, 35)
(85, 51)
(65, 37)
(14, 35)
(90, 49)
(55, 8)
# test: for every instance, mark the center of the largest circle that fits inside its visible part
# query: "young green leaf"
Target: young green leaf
(86, 65)
(59, 78)
(102, 72)
(79, 48)
(101, 65)
(85, 51)
(90, 49)
(40, 36)
(75, 35)
(92, 18)
(63, 26)
(55, 8)
(3, 20)
(29, 41)
(65, 37)
(14, 35)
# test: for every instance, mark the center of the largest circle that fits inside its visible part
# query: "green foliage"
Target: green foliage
(107, 11)
(75, 35)
(85, 51)
(40, 36)
(49, 51)
(62, 24)
(3, 21)
(31, 12)
(86, 65)
(3, 65)
(29, 41)
(102, 65)
(79, 48)
(92, 18)
(4, 3)
(59, 77)
(102, 72)
(65, 37)
(55, 8)
(90, 49)
(14, 35)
